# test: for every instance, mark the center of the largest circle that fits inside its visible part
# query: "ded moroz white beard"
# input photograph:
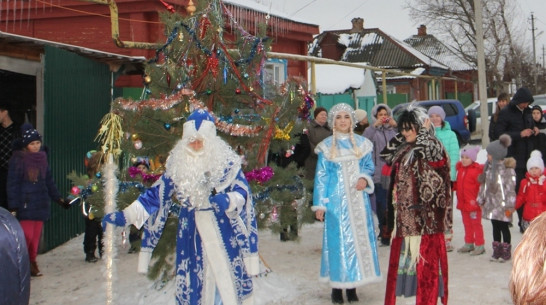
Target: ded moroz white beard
(195, 174)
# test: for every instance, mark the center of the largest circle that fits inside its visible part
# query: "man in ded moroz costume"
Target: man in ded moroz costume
(217, 238)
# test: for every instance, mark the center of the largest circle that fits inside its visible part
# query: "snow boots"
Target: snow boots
(501, 252)
(479, 250)
(506, 252)
(91, 258)
(337, 296)
(497, 251)
(466, 248)
(351, 295)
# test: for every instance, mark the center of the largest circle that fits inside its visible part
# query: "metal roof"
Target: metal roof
(434, 48)
(378, 48)
(131, 64)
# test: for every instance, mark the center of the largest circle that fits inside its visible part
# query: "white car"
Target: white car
(474, 114)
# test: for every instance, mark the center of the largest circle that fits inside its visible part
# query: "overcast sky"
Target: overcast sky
(390, 16)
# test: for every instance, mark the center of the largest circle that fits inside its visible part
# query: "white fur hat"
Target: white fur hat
(535, 161)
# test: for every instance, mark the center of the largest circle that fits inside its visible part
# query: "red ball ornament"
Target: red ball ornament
(237, 91)
(75, 191)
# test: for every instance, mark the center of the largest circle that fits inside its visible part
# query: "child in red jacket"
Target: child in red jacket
(467, 187)
(532, 190)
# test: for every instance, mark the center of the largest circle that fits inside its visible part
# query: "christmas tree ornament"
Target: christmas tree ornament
(135, 137)
(245, 75)
(98, 175)
(147, 79)
(75, 190)
(209, 92)
(94, 187)
(167, 126)
(274, 215)
(137, 144)
(237, 91)
(190, 8)
(180, 36)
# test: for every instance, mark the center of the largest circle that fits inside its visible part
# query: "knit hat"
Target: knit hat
(536, 107)
(360, 115)
(29, 134)
(499, 148)
(523, 95)
(319, 110)
(535, 161)
(470, 151)
(437, 110)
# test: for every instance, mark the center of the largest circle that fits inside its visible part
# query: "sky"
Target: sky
(391, 17)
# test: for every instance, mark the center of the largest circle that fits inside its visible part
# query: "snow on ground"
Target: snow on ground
(68, 279)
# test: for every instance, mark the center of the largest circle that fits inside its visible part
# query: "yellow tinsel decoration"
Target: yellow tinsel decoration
(283, 134)
(110, 134)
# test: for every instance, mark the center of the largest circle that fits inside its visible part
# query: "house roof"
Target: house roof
(131, 64)
(376, 47)
(434, 48)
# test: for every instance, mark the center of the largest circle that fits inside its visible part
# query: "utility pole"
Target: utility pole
(482, 92)
(535, 76)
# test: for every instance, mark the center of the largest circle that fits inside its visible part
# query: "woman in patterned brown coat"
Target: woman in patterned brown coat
(419, 211)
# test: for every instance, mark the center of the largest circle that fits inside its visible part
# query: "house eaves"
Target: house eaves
(9, 43)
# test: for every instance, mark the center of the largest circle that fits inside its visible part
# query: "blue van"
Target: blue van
(455, 115)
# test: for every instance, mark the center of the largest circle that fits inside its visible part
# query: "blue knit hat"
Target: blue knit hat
(29, 134)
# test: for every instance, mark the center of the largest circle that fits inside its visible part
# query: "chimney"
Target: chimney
(358, 25)
(422, 30)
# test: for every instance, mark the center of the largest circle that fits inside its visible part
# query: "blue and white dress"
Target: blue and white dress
(349, 247)
(216, 250)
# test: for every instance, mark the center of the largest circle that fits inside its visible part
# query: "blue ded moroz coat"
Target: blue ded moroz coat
(210, 243)
(349, 248)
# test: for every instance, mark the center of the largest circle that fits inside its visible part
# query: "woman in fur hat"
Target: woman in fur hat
(421, 192)
(497, 195)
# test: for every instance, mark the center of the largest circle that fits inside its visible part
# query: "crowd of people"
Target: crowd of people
(371, 174)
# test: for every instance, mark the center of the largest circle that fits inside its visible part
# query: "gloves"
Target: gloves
(220, 200)
(115, 218)
(64, 203)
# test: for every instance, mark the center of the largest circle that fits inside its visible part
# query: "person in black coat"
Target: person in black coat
(502, 101)
(9, 131)
(14, 263)
(516, 120)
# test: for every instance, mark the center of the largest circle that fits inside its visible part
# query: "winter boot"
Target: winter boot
(337, 296)
(479, 250)
(466, 248)
(351, 295)
(496, 251)
(34, 270)
(506, 252)
(91, 258)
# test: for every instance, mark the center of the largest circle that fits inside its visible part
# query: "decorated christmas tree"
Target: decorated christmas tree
(200, 65)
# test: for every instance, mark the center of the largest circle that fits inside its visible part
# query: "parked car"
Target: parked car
(455, 115)
(473, 112)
